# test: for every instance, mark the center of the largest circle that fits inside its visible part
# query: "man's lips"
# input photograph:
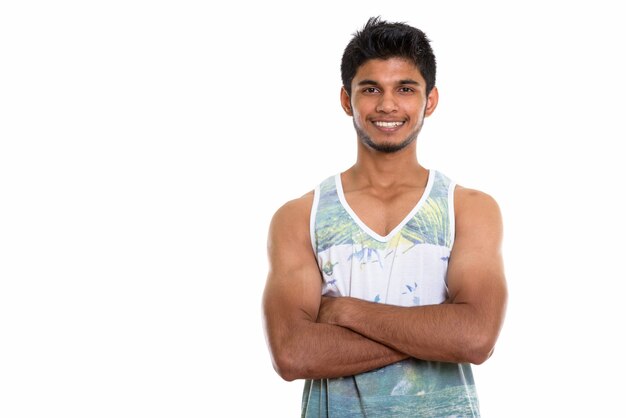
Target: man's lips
(387, 124)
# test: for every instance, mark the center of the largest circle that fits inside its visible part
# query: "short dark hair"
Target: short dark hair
(382, 40)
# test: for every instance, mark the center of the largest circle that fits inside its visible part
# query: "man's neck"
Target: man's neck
(384, 171)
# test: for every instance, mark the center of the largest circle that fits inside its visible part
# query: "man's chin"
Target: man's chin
(386, 147)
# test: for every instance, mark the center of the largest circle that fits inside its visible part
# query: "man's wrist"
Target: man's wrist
(344, 314)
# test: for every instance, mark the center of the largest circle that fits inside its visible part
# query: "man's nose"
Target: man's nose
(387, 103)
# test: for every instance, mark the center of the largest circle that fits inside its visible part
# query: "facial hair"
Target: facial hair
(385, 147)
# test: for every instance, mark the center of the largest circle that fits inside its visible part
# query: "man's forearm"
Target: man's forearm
(318, 351)
(446, 332)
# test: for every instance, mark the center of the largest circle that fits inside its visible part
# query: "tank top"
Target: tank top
(407, 267)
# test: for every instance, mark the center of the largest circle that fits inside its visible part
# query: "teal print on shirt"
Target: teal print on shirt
(328, 267)
(366, 255)
(412, 289)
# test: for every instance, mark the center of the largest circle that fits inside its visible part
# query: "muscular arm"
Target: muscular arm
(300, 347)
(466, 327)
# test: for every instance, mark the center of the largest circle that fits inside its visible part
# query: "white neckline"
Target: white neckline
(394, 231)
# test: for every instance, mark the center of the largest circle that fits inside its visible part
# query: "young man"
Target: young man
(387, 280)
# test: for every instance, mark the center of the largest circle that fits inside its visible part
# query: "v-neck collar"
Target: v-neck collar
(394, 231)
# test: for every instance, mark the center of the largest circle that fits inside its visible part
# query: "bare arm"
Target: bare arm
(300, 347)
(466, 327)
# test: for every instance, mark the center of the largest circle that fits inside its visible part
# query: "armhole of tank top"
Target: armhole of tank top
(316, 199)
(451, 189)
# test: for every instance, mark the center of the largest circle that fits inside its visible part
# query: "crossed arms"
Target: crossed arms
(313, 337)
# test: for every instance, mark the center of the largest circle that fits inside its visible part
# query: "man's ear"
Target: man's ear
(345, 101)
(431, 104)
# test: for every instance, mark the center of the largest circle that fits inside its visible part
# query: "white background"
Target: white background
(145, 146)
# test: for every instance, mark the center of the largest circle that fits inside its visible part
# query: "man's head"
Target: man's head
(388, 72)
(382, 40)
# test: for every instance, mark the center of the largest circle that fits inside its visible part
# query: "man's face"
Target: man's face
(388, 103)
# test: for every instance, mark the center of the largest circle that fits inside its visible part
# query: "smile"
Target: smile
(382, 124)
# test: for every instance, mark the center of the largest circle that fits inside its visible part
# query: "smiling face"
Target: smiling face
(388, 103)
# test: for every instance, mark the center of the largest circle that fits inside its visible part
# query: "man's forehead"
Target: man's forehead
(391, 70)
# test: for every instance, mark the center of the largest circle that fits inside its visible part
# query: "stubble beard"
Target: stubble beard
(385, 147)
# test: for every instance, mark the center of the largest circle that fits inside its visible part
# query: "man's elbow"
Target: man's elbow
(480, 349)
(480, 356)
(480, 340)
(291, 365)
(286, 367)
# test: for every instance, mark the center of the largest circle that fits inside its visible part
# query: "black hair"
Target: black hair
(382, 40)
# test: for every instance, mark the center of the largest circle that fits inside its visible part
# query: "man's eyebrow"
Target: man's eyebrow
(368, 82)
(409, 81)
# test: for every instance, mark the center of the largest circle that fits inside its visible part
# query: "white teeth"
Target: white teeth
(388, 124)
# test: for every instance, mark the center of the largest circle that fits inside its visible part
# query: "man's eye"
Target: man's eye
(406, 90)
(370, 90)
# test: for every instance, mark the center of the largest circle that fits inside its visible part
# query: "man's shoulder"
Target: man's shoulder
(294, 214)
(298, 205)
(470, 196)
(472, 203)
